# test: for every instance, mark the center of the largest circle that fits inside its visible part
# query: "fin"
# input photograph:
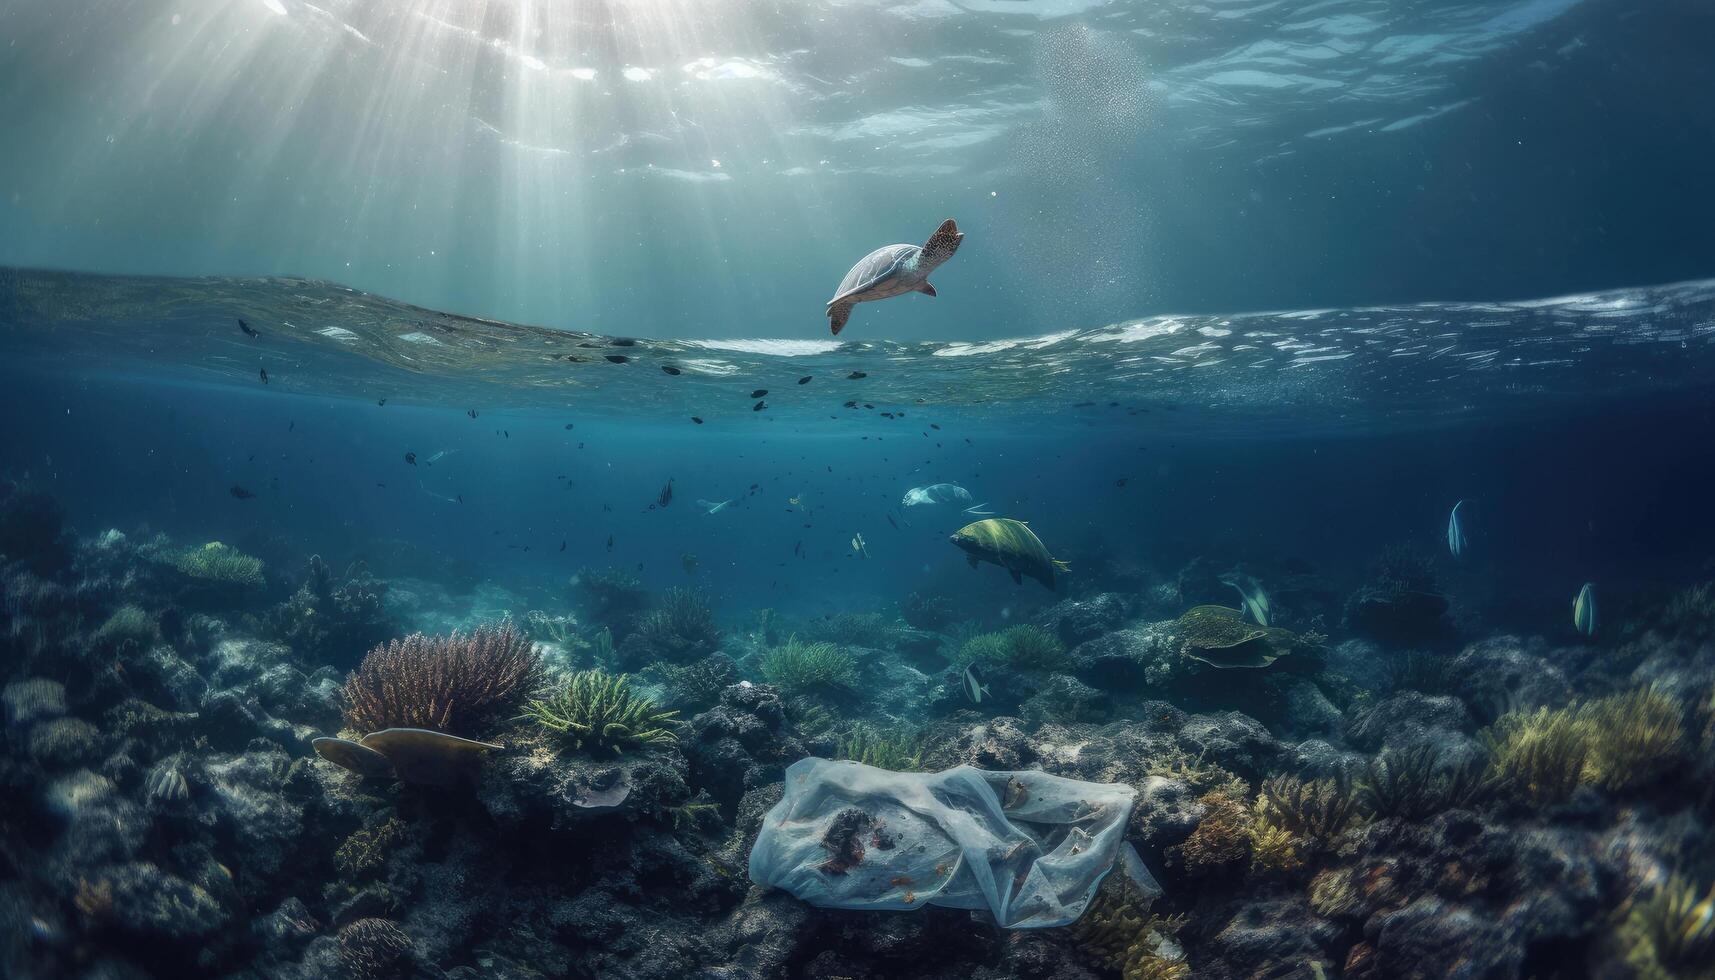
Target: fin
(927, 288)
(972, 559)
(983, 689)
(1017, 576)
(838, 314)
(1060, 566)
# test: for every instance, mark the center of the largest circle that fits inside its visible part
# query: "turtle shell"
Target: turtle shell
(1220, 637)
(871, 269)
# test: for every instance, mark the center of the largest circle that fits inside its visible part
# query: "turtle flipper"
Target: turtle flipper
(926, 289)
(838, 314)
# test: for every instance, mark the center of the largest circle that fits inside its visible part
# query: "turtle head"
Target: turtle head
(943, 243)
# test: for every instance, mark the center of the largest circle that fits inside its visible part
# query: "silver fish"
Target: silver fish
(712, 506)
(1251, 595)
(936, 493)
(1456, 540)
(1584, 610)
(975, 689)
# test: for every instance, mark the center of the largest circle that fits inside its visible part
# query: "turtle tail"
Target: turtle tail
(838, 314)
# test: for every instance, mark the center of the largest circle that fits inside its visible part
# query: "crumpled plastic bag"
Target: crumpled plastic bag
(1029, 847)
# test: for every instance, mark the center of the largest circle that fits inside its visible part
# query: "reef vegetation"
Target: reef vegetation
(1360, 804)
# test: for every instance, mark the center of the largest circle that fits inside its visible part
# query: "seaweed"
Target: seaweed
(899, 751)
(681, 629)
(1019, 647)
(1635, 738)
(797, 667)
(598, 709)
(1538, 756)
(1313, 809)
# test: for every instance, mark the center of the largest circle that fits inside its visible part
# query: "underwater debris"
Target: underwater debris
(374, 949)
(1011, 545)
(600, 710)
(797, 667)
(457, 683)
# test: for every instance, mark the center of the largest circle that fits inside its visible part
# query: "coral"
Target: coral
(929, 611)
(1403, 783)
(1402, 603)
(1116, 935)
(1222, 839)
(797, 667)
(1314, 809)
(1273, 848)
(128, 624)
(1636, 738)
(367, 849)
(374, 949)
(601, 710)
(898, 752)
(853, 629)
(687, 815)
(1671, 933)
(559, 630)
(681, 629)
(1202, 775)
(457, 683)
(328, 624)
(1020, 647)
(611, 596)
(219, 563)
(1334, 893)
(697, 685)
(62, 742)
(32, 699)
(1539, 756)
(1691, 613)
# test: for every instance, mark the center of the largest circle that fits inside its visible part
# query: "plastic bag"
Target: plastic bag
(1028, 846)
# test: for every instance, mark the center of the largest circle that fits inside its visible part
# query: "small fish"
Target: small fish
(617, 358)
(382, 403)
(562, 544)
(248, 330)
(291, 425)
(471, 412)
(858, 545)
(665, 497)
(975, 689)
(1584, 610)
(805, 379)
(459, 497)
(850, 405)
(688, 562)
(696, 420)
(610, 544)
(675, 372)
(890, 520)
(411, 458)
(264, 375)
(1456, 540)
(934, 426)
(240, 492)
(568, 426)
(1122, 481)
(856, 376)
(759, 406)
(758, 393)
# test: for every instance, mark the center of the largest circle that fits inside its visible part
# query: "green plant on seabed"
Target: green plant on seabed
(900, 753)
(796, 666)
(600, 709)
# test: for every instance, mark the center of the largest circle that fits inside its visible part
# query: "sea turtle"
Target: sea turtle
(1010, 544)
(893, 271)
(1220, 637)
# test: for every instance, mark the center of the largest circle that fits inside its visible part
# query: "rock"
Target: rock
(78, 792)
(741, 743)
(1273, 938)
(61, 743)
(149, 902)
(1309, 712)
(1424, 932)
(539, 785)
(1076, 621)
(31, 700)
(1504, 672)
(163, 677)
(1165, 813)
(1128, 659)
(249, 799)
(1411, 718)
(1065, 698)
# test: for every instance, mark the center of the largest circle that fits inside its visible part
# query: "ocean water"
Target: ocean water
(460, 315)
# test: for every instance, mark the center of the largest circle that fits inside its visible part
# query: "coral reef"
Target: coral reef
(600, 710)
(325, 623)
(219, 563)
(680, 629)
(611, 597)
(1018, 647)
(926, 611)
(457, 684)
(797, 667)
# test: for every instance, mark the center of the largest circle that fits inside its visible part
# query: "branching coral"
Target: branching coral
(612, 596)
(327, 623)
(1222, 839)
(797, 667)
(682, 628)
(696, 685)
(898, 752)
(456, 684)
(219, 563)
(600, 710)
(1334, 893)
(1635, 738)
(1404, 784)
(1313, 809)
(1020, 647)
(1273, 848)
(1115, 933)
(1539, 756)
(1202, 775)
(374, 949)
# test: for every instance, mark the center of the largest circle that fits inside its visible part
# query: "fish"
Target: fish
(610, 543)
(411, 458)
(858, 545)
(460, 498)
(240, 492)
(688, 562)
(696, 420)
(562, 544)
(382, 403)
(713, 507)
(1584, 610)
(758, 393)
(890, 520)
(850, 405)
(976, 510)
(759, 406)
(805, 379)
(666, 369)
(1251, 596)
(856, 376)
(936, 493)
(975, 689)
(248, 330)
(798, 549)
(617, 358)
(1122, 481)
(1013, 546)
(569, 427)
(794, 501)
(264, 375)
(470, 412)
(665, 497)
(1456, 540)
